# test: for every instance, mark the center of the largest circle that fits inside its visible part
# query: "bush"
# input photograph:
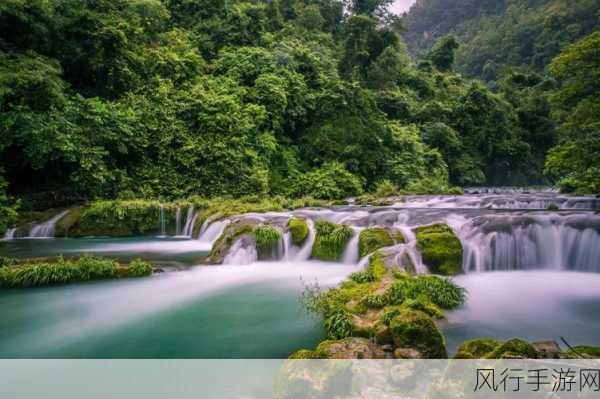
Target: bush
(330, 241)
(331, 181)
(441, 292)
(298, 229)
(386, 188)
(338, 325)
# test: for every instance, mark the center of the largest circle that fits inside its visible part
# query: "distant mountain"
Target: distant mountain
(499, 34)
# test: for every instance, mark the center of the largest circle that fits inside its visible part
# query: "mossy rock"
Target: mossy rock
(440, 249)
(370, 240)
(476, 348)
(514, 348)
(351, 348)
(330, 241)
(230, 235)
(414, 329)
(307, 354)
(68, 222)
(299, 230)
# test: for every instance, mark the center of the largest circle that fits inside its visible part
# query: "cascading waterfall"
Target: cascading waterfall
(350, 255)
(533, 242)
(162, 221)
(10, 234)
(178, 221)
(46, 229)
(190, 219)
(241, 253)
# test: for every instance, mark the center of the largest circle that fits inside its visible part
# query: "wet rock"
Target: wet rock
(547, 349)
(407, 353)
(351, 348)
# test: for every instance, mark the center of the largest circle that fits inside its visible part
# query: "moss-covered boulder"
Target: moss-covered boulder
(230, 235)
(370, 240)
(330, 241)
(351, 348)
(266, 238)
(440, 248)
(514, 348)
(476, 348)
(414, 329)
(299, 230)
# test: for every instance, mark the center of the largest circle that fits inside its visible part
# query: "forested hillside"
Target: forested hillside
(171, 98)
(497, 34)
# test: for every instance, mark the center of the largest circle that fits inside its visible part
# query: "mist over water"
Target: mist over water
(523, 269)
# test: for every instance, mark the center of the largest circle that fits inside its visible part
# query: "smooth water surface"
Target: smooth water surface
(250, 311)
(532, 305)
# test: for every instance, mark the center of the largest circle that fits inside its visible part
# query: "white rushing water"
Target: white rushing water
(10, 234)
(190, 219)
(46, 229)
(210, 232)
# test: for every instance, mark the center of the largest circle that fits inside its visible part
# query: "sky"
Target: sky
(400, 6)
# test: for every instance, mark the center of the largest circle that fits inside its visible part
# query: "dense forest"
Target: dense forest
(172, 98)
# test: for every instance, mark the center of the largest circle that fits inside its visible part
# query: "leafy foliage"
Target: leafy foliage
(330, 240)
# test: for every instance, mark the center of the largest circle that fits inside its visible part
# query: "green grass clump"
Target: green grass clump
(370, 240)
(65, 271)
(6, 261)
(266, 238)
(440, 248)
(374, 272)
(138, 268)
(299, 230)
(330, 241)
(439, 291)
(591, 351)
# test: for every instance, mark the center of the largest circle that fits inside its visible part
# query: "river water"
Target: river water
(529, 272)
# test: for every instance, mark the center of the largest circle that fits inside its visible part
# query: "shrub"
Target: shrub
(330, 241)
(338, 325)
(386, 188)
(331, 181)
(298, 229)
(440, 248)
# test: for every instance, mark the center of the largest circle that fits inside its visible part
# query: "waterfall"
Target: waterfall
(350, 255)
(178, 222)
(306, 249)
(534, 242)
(46, 229)
(190, 218)
(242, 252)
(162, 221)
(212, 233)
(10, 234)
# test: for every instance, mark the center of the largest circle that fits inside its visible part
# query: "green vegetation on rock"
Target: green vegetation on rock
(330, 240)
(299, 230)
(440, 248)
(266, 238)
(64, 271)
(373, 239)
(476, 348)
(230, 235)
